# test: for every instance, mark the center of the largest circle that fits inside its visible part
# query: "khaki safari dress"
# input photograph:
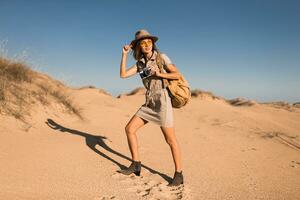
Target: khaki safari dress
(158, 107)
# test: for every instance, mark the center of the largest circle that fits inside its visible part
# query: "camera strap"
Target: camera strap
(160, 65)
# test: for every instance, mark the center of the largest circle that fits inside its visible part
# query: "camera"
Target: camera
(145, 73)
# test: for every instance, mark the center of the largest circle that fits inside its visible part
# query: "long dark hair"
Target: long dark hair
(137, 52)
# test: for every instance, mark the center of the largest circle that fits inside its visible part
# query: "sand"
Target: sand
(229, 152)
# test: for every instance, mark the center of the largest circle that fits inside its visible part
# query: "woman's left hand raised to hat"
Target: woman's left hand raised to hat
(126, 49)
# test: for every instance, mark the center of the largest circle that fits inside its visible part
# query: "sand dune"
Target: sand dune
(229, 151)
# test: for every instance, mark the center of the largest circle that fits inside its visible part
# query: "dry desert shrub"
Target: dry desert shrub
(66, 101)
(18, 90)
(2, 90)
(16, 71)
(203, 94)
(12, 97)
(241, 102)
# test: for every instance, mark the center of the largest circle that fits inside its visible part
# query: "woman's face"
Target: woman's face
(146, 45)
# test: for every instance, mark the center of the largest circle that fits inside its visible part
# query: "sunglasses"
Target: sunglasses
(145, 43)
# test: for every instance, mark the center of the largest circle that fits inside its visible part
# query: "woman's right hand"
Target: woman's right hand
(126, 49)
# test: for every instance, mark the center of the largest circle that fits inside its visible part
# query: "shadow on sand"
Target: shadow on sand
(92, 140)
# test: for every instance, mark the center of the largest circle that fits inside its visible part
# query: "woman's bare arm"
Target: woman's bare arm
(173, 72)
(132, 70)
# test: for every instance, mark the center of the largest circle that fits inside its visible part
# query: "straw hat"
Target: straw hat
(142, 34)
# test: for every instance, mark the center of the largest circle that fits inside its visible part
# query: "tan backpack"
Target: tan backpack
(178, 89)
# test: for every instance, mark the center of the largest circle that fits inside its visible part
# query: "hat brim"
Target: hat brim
(134, 42)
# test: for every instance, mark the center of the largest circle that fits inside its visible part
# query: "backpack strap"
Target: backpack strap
(161, 65)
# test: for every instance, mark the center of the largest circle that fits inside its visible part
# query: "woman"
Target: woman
(158, 107)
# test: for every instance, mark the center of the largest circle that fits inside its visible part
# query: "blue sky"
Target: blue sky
(241, 48)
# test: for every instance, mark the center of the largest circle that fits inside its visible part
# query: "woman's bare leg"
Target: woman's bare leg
(131, 128)
(170, 138)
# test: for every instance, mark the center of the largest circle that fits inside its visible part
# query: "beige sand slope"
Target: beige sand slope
(229, 152)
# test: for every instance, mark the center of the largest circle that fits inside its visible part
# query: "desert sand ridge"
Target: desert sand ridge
(68, 143)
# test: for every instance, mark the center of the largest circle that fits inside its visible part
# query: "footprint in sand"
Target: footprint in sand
(151, 186)
(106, 197)
(295, 164)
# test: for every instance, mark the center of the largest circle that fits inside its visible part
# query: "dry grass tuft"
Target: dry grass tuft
(12, 96)
(16, 71)
(284, 105)
(60, 97)
(241, 102)
(19, 90)
(66, 101)
(2, 90)
(203, 94)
